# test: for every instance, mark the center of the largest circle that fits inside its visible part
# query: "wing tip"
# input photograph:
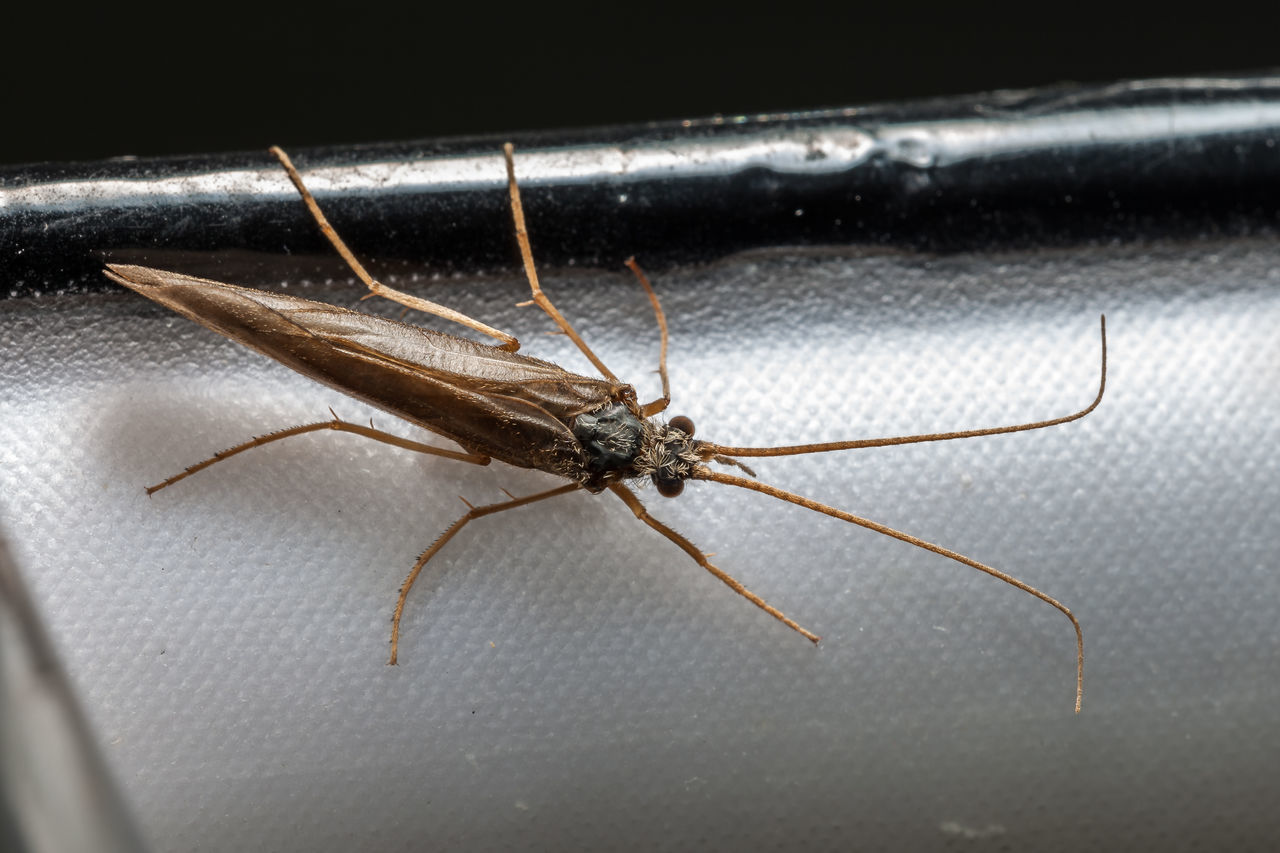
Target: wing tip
(132, 276)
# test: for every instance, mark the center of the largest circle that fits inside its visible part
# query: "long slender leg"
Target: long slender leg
(473, 513)
(526, 254)
(702, 472)
(658, 405)
(701, 559)
(335, 424)
(377, 288)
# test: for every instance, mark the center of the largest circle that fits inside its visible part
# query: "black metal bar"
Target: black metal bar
(1125, 162)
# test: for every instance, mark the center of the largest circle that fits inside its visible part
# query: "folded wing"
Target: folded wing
(502, 404)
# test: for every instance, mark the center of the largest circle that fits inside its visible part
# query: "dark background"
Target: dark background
(215, 78)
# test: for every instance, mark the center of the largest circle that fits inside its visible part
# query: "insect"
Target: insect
(496, 403)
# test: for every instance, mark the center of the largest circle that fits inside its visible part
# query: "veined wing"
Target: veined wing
(501, 404)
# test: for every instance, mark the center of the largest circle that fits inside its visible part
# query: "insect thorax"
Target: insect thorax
(618, 444)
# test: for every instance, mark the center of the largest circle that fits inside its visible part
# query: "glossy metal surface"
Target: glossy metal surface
(1059, 167)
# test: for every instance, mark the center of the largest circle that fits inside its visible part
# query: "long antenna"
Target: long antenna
(702, 472)
(795, 449)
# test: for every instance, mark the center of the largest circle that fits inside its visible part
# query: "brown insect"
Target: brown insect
(498, 404)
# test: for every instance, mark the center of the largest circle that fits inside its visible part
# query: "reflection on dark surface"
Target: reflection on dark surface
(1047, 167)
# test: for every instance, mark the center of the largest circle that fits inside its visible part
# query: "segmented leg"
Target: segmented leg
(335, 424)
(541, 299)
(702, 472)
(658, 405)
(377, 288)
(473, 513)
(531, 272)
(701, 559)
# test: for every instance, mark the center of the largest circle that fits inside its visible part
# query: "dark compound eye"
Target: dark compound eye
(669, 488)
(680, 422)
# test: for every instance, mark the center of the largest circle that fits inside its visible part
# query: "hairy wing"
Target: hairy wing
(502, 404)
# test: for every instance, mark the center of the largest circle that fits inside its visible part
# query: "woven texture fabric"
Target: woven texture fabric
(568, 679)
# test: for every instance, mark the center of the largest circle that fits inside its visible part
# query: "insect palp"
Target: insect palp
(729, 460)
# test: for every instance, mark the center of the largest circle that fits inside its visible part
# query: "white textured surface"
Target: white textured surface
(569, 679)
